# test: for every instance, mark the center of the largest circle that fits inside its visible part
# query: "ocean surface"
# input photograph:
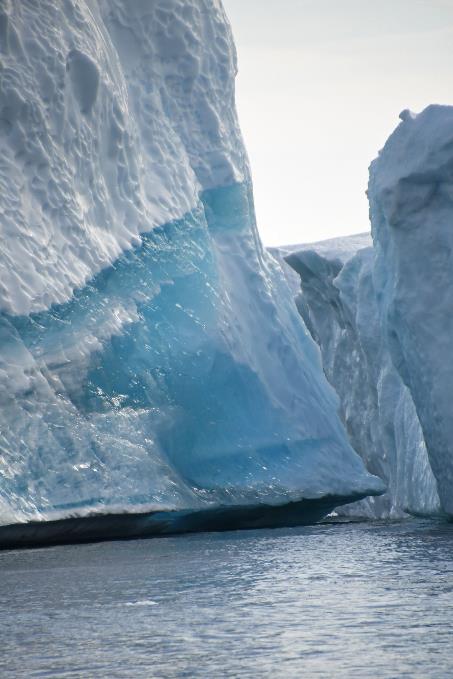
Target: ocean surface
(332, 600)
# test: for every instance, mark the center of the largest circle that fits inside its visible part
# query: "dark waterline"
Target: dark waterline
(331, 600)
(105, 527)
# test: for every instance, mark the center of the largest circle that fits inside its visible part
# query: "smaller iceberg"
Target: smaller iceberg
(340, 307)
(411, 208)
(383, 318)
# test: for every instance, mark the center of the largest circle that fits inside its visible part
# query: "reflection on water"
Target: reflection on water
(332, 600)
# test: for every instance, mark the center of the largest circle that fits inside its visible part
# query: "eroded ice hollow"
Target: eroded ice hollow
(154, 373)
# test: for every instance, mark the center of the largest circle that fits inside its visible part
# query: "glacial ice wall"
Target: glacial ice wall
(150, 355)
(341, 307)
(411, 208)
(384, 319)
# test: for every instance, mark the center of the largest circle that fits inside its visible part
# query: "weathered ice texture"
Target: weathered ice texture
(384, 320)
(341, 308)
(151, 358)
(411, 207)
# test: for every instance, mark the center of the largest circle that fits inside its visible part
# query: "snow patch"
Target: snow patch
(114, 117)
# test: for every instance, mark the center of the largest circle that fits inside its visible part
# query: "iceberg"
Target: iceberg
(155, 375)
(341, 307)
(382, 317)
(411, 207)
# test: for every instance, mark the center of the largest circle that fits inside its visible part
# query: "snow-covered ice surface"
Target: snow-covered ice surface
(151, 357)
(335, 248)
(341, 248)
(113, 116)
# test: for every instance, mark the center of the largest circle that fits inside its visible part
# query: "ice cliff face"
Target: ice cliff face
(384, 319)
(340, 306)
(411, 207)
(150, 355)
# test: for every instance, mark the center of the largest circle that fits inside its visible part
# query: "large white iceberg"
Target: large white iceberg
(151, 358)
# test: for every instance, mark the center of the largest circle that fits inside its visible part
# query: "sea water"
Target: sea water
(331, 600)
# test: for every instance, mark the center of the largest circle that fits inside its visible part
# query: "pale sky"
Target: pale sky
(320, 87)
